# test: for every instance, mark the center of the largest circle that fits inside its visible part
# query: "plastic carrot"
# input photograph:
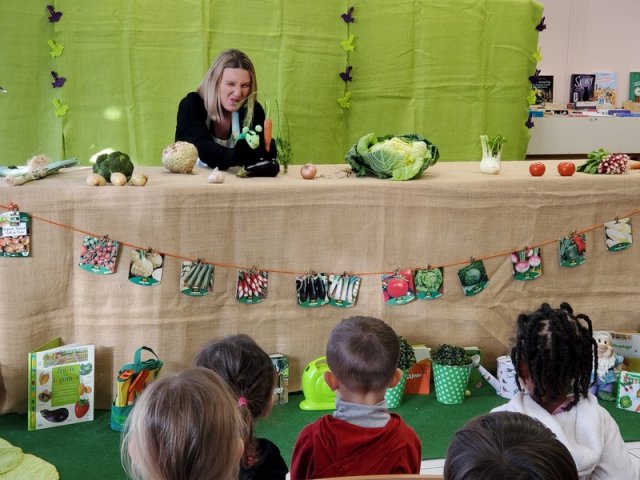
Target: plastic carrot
(268, 129)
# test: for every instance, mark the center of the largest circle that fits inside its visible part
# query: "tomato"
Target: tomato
(566, 169)
(81, 407)
(537, 169)
(397, 287)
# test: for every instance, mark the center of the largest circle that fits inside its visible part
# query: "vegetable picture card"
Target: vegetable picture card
(146, 267)
(618, 234)
(252, 286)
(15, 234)
(196, 278)
(526, 264)
(312, 290)
(397, 287)
(98, 255)
(473, 278)
(429, 283)
(343, 290)
(573, 250)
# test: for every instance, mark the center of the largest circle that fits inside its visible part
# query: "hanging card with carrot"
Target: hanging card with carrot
(573, 250)
(526, 264)
(618, 234)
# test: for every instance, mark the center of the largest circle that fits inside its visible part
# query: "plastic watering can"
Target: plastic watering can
(506, 385)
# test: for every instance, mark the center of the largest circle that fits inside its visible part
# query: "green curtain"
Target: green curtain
(448, 69)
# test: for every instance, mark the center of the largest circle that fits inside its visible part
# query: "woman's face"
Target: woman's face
(234, 87)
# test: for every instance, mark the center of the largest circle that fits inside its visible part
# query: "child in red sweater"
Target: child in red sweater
(361, 437)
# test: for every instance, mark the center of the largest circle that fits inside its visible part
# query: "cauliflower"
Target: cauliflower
(109, 163)
(180, 157)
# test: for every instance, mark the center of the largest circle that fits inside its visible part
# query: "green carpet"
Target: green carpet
(88, 449)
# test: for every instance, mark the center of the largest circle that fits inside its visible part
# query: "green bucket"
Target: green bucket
(451, 382)
(394, 395)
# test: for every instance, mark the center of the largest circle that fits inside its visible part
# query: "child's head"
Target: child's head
(554, 353)
(507, 445)
(363, 353)
(248, 370)
(177, 423)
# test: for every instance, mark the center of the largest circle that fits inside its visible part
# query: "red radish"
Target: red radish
(268, 130)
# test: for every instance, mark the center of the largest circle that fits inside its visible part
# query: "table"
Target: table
(289, 225)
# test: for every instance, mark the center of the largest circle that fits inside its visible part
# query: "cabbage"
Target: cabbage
(400, 157)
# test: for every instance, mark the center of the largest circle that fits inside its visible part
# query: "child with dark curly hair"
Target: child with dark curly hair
(554, 354)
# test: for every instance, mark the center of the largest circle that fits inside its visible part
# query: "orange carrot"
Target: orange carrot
(634, 165)
(268, 129)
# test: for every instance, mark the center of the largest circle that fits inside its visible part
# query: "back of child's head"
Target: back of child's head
(558, 349)
(363, 353)
(186, 426)
(248, 370)
(507, 446)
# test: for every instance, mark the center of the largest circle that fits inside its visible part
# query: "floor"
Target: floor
(436, 466)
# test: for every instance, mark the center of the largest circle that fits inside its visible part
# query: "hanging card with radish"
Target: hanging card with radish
(526, 264)
(252, 286)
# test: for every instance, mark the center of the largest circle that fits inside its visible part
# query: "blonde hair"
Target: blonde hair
(210, 84)
(187, 426)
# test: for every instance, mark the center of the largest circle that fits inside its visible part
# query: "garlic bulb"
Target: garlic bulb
(216, 176)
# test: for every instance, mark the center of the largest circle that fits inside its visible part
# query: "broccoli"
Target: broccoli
(109, 163)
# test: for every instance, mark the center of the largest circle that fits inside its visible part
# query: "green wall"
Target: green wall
(448, 69)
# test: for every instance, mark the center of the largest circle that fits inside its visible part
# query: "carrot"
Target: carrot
(268, 129)
(634, 165)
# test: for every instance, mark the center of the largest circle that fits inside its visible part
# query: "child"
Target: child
(507, 445)
(248, 370)
(361, 437)
(554, 355)
(177, 422)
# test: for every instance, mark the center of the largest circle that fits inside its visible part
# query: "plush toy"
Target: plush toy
(608, 364)
(251, 136)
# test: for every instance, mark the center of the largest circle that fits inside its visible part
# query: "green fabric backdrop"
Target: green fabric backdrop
(448, 69)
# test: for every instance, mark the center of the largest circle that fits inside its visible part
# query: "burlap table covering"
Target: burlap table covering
(334, 223)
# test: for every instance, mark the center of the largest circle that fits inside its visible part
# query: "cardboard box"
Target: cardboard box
(281, 364)
(628, 345)
(628, 396)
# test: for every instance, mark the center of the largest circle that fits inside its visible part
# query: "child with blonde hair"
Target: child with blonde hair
(176, 426)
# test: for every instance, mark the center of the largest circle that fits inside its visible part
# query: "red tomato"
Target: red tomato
(397, 287)
(537, 169)
(566, 169)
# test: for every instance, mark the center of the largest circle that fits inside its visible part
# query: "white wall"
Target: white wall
(588, 36)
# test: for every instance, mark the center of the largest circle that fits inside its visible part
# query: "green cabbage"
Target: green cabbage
(400, 157)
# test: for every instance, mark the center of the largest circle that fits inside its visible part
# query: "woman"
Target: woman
(213, 117)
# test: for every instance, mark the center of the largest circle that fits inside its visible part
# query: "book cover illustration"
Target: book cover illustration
(543, 88)
(582, 87)
(61, 385)
(634, 86)
(606, 86)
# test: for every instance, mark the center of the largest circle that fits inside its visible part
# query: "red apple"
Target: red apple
(537, 169)
(566, 169)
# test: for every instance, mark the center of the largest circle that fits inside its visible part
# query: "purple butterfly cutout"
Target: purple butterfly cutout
(348, 17)
(57, 81)
(534, 78)
(54, 16)
(529, 123)
(541, 26)
(346, 75)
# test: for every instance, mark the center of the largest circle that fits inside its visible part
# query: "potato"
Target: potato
(138, 179)
(118, 179)
(96, 180)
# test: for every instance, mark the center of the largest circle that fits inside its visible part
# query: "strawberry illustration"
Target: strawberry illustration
(82, 407)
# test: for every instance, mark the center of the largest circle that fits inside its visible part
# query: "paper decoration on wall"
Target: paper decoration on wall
(56, 48)
(53, 15)
(541, 26)
(58, 82)
(15, 234)
(196, 278)
(573, 250)
(429, 283)
(529, 123)
(473, 278)
(348, 46)
(398, 288)
(348, 16)
(526, 264)
(618, 234)
(60, 109)
(312, 290)
(346, 75)
(98, 255)
(345, 101)
(146, 267)
(343, 290)
(252, 286)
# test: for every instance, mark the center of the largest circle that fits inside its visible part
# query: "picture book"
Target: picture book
(606, 86)
(634, 86)
(582, 87)
(61, 384)
(543, 86)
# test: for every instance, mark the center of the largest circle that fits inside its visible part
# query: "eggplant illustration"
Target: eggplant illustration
(57, 416)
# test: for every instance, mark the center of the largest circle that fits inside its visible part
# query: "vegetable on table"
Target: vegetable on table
(38, 166)
(263, 168)
(96, 180)
(138, 179)
(180, 157)
(118, 179)
(601, 161)
(268, 133)
(308, 171)
(113, 162)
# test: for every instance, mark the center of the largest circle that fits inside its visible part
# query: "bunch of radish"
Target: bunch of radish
(252, 285)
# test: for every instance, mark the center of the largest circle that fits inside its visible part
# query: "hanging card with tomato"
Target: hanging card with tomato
(618, 234)
(312, 290)
(98, 255)
(252, 286)
(397, 288)
(146, 267)
(196, 278)
(429, 283)
(343, 290)
(526, 264)
(573, 250)
(15, 234)
(473, 278)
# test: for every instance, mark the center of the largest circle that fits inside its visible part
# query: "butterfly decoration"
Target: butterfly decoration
(346, 75)
(345, 101)
(53, 15)
(541, 26)
(60, 109)
(348, 17)
(534, 78)
(347, 45)
(531, 98)
(56, 48)
(529, 123)
(58, 81)
(537, 56)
